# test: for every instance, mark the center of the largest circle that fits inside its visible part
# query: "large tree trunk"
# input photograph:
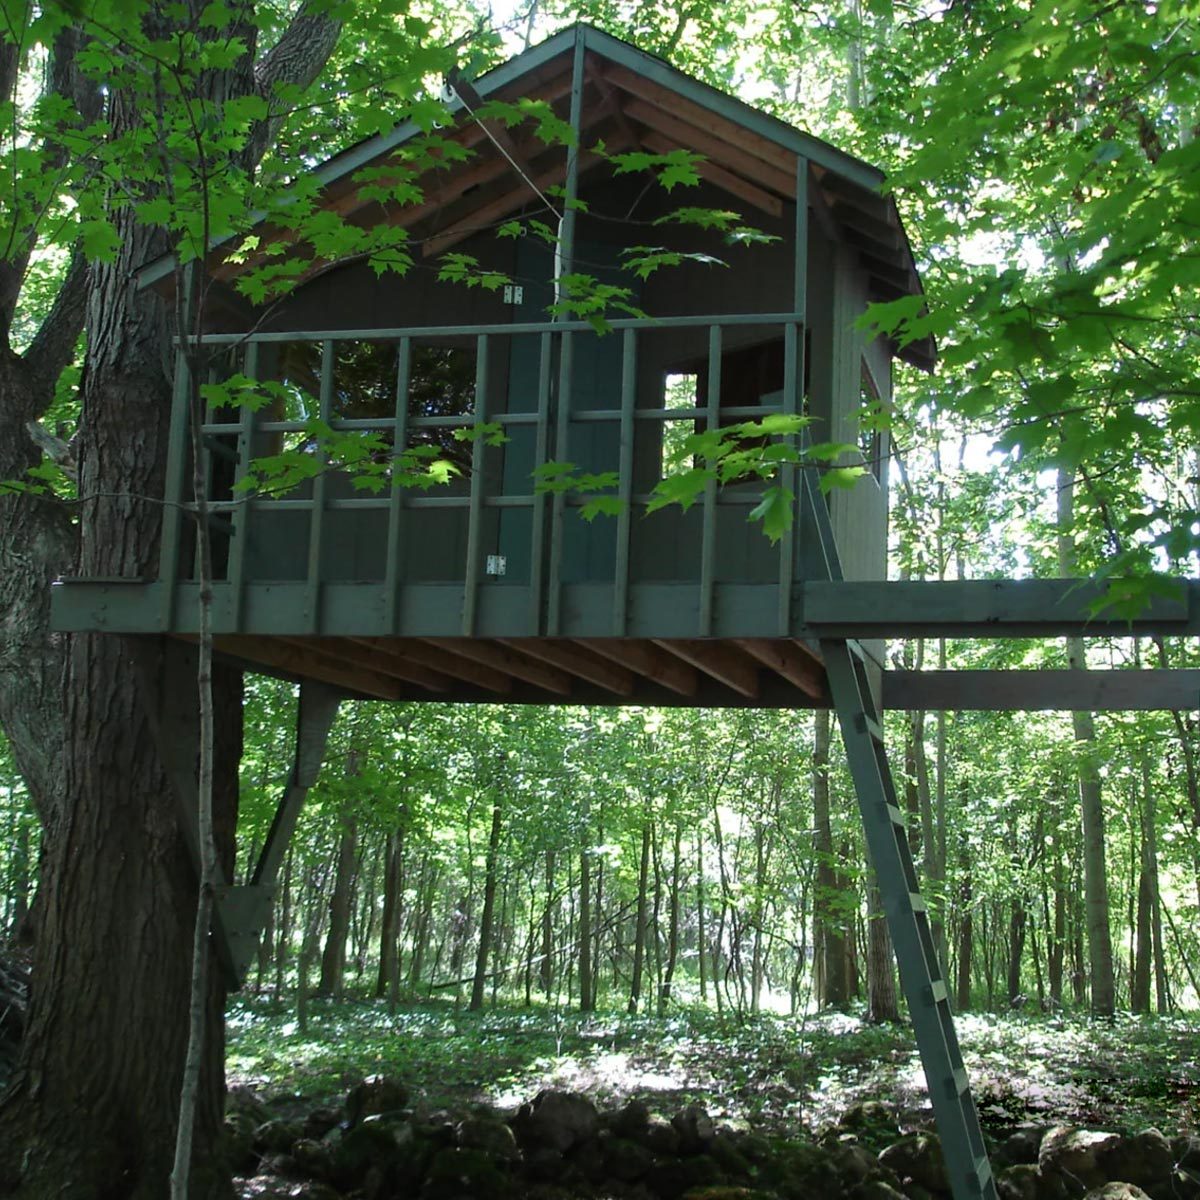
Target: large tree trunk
(882, 1002)
(92, 1112)
(486, 920)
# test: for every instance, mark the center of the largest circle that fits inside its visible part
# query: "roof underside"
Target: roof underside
(631, 101)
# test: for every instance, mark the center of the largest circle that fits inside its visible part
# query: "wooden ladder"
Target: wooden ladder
(921, 976)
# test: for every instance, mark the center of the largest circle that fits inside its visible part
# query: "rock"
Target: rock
(1074, 1154)
(853, 1162)
(245, 1100)
(671, 1179)
(277, 1136)
(1117, 1191)
(320, 1121)
(313, 1158)
(630, 1120)
(374, 1095)
(587, 1159)
(626, 1160)
(373, 1143)
(1018, 1182)
(456, 1174)
(542, 1164)
(1145, 1159)
(918, 1158)
(871, 1122)
(801, 1170)
(491, 1135)
(695, 1128)
(559, 1120)
(727, 1154)
(1020, 1147)
(240, 1130)
(660, 1137)
(876, 1189)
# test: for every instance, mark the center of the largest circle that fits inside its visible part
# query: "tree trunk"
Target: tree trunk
(546, 966)
(1095, 873)
(966, 930)
(486, 919)
(587, 996)
(831, 984)
(664, 995)
(392, 918)
(882, 1003)
(639, 939)
(333, 959)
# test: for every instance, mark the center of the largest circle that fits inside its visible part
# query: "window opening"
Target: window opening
(681, 392)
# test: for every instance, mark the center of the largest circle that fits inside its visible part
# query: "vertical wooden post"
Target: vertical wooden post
(475, 510)
(793, 395)
(564, 264)
(625, 483)
(537, 549)
(708, 530)
(395, 531)
(316, 526)
(241, 515)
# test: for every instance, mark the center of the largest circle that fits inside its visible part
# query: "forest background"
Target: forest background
(1045, 160)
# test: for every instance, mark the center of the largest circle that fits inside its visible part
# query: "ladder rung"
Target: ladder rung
(918, 902)
(937, 992)
(896, 816)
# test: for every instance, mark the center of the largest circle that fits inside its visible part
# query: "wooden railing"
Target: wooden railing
(550, 420)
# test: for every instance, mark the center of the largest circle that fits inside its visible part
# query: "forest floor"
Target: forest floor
(765, 1073)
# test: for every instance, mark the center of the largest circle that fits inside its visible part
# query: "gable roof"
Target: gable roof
(632, 100)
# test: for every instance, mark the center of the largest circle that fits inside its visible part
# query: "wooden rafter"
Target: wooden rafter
(379, 654)
(506, 204)
(730, 132)
(415, 651)
(725, 665)
(792, 660)
(724, 153)
(646, 659)
(735, 185)
(578, 660)
(280, 655)
(510, 662)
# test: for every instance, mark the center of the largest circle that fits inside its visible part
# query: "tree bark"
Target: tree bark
(831, 983)
(882, 1002)
(333, 958)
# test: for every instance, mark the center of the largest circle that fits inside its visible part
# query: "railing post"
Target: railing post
(173, 490)
(793, 398)
(316, 528)
(395, 531)
(241, 516)
(541, 451)
(625, 483)
(475, 511)
(708, 533)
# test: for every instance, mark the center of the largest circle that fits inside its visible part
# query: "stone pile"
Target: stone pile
(380, 1145)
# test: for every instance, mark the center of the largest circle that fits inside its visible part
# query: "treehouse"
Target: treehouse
(489, 586)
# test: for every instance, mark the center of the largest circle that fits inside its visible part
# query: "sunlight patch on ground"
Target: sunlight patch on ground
(611, 1074)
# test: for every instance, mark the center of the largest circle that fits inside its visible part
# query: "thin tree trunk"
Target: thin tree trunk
(664, 995)
(333, 960)
(491, 864)
(831, 985)
(546, 966)
(587, 997)
(639, 939)
(1095, 878)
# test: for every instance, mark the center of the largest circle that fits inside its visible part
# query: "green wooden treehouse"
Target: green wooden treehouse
(487, 589)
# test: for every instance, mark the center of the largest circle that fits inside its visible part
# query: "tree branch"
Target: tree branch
(54, 343)
(296, 59)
